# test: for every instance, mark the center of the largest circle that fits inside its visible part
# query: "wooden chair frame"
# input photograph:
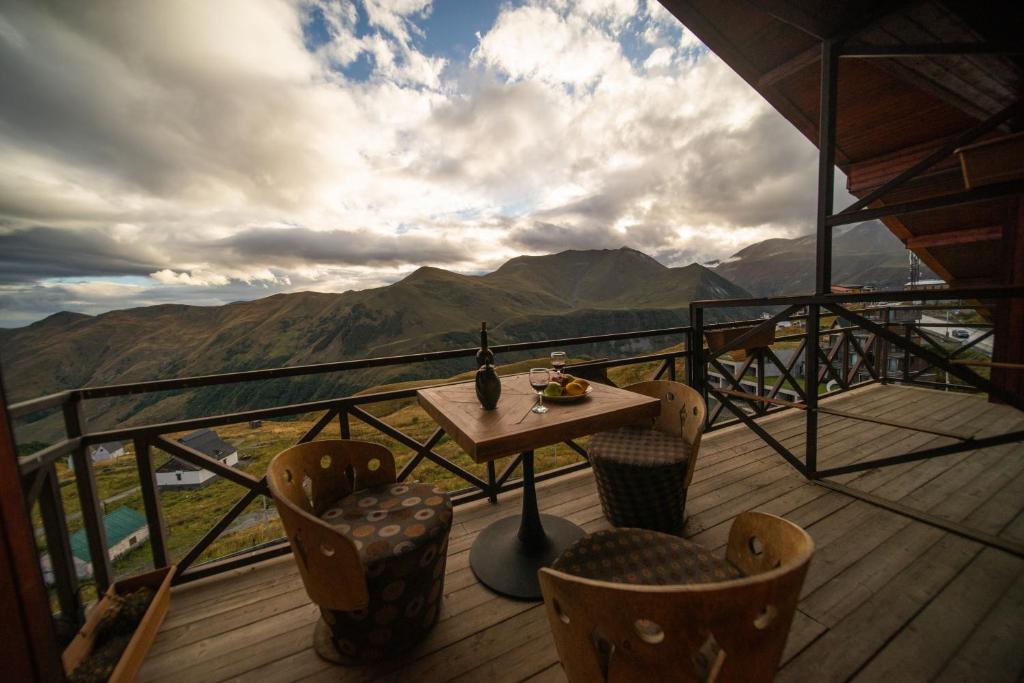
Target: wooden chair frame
(304, 480)
(682, 414)
(728, 631)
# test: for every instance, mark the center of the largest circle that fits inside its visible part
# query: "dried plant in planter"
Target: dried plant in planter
(113, 632)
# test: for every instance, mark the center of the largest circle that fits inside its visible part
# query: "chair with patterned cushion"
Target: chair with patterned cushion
(643, 471)
(371, 551)
(639, 605)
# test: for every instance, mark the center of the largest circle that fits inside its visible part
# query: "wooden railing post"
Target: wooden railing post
(92, 507)
(343, 425)
(151, 501)
(62, 562)
(906, 352)
(811, 390)
(883, 347)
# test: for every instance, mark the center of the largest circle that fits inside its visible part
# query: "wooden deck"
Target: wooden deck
(887, 597)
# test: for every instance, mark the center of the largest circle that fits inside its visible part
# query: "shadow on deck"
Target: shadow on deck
(887, 596)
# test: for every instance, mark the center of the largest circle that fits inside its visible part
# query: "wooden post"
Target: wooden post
(92, 507)
(1008, 343)
(811, 391)
(29, 651)
(151, 500)
(826, 164)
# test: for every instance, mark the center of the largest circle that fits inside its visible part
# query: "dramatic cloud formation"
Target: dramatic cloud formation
(204, 152)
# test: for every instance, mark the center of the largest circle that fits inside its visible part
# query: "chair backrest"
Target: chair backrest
(729, 631)
(682, 414)
(304, 480)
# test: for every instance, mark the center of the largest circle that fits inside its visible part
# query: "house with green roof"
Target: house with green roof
(126, 528)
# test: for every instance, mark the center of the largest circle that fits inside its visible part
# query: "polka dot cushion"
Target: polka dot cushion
(639, 556)
(401, 532)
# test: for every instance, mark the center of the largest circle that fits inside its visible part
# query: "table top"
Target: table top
(512, 427)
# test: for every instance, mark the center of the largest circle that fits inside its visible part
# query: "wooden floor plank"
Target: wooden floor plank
(877, 588)
(993, 652)
(842, 651)
(921, 650)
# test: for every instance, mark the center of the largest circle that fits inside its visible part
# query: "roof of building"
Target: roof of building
(110, 446)
(207, 442)
(892, 112)
(120, 524)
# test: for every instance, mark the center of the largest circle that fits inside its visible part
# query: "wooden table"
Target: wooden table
(507, 554)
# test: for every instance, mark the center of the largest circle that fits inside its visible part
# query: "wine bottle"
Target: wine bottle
(488, 384)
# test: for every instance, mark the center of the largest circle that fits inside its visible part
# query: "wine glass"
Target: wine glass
(539, 378)
(558, 361)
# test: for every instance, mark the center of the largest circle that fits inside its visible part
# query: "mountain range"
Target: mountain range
(572, 293)
(865, 254)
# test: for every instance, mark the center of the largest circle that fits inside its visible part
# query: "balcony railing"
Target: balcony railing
(850, 353)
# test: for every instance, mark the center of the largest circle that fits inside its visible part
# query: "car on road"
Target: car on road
(960, 334)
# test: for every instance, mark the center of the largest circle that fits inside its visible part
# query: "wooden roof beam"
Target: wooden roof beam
(955, 237)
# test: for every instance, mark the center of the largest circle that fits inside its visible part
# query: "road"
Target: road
(947, 328)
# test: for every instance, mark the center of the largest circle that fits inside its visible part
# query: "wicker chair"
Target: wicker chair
(643, 471)
(638, 605)
(371, 552)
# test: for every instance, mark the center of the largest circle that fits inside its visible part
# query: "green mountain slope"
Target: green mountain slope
(865, 254)
(567, 294)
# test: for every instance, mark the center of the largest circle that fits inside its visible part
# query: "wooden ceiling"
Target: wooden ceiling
(891, 111)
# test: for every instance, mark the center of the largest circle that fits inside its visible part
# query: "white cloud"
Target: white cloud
(207, 144)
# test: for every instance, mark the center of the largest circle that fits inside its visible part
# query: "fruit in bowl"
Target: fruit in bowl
(576, 388)
(553, 389)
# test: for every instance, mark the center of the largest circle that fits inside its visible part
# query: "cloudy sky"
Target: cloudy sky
(205, 152)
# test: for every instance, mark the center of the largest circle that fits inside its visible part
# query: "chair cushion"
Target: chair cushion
(638, 446)
(390, 520)
(639, 556)
(401, 532)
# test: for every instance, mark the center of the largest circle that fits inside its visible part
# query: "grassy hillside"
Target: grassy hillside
(573, 293)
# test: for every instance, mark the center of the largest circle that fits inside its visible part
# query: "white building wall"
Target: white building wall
(192, 477)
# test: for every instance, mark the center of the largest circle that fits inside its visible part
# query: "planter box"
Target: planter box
(719, 339)
(993, 161)
(145, 633)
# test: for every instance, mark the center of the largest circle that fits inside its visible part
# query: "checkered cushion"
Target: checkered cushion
(401, 532)
(640, 474)
(639, 556)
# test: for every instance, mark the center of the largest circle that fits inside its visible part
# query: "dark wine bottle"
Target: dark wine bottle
(488, 384)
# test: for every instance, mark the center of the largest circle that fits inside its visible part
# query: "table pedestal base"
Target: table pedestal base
(502, 563)
(506, 555)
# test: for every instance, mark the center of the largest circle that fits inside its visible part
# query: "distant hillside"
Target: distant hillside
(866, 254)
(567, 294)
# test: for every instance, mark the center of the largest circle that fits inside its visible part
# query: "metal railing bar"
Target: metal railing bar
(753, 332)
(410, 442)
(193, 382)
(88, 497)
(218, 528)
(509, 469)
(318, 426)
(420, 454)
(957, 371)
(45, 457)
(37, 405)
(760, 431)
(274, 549)
(993, 292)
(151, 503)
(578, 448)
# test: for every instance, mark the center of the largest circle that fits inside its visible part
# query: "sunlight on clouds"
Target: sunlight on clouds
(228, 150)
